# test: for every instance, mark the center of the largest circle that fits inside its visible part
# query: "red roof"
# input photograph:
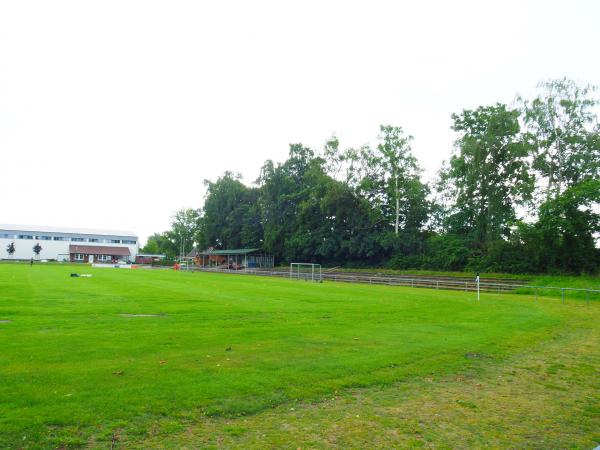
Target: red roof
(99, 250)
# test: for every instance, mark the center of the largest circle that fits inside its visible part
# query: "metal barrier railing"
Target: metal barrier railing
(418, 282)
(563, 291)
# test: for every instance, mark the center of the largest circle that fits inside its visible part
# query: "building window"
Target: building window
(92, 240)
(115, 241)
(59, 238)
(129, 242)
(78, 257)
(24, 236)
(78, 239)
(7, 236)
(43, 238)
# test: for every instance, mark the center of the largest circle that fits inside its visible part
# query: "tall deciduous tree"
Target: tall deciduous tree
(400, 173)
(309, 216)
(562, 120)
(284, 191)
(185, 227)
(160, 244)
(333, 157)
(231, 214)
(567, 230)
(389, 178)
(488, 173)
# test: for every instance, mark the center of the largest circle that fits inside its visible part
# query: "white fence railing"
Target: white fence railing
(424, 282)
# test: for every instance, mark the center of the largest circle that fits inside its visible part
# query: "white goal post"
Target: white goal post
(306, 271)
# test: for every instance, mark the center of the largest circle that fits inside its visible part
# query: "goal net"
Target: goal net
(306, 271)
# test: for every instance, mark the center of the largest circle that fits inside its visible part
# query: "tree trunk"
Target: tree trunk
(550, 181)
(553, 166)
(397, 208)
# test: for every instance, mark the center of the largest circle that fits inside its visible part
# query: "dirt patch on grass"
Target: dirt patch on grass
(472, 355)
(5, 321)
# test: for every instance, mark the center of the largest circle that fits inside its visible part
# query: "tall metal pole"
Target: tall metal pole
(180, 246)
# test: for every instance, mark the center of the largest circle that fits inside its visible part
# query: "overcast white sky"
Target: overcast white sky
(113, 112)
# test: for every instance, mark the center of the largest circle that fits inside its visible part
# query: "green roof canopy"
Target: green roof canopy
(239, 251)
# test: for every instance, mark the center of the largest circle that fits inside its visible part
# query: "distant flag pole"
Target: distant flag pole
(477, 280)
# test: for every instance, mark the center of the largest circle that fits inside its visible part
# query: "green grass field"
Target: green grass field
(238, 361)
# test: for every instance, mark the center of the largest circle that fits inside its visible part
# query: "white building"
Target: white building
(68, 244)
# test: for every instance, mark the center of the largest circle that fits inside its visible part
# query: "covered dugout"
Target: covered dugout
(235, 259)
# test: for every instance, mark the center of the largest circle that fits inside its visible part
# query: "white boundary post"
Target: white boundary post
(477, 279)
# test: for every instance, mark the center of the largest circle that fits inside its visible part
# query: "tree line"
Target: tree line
(520, 193)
